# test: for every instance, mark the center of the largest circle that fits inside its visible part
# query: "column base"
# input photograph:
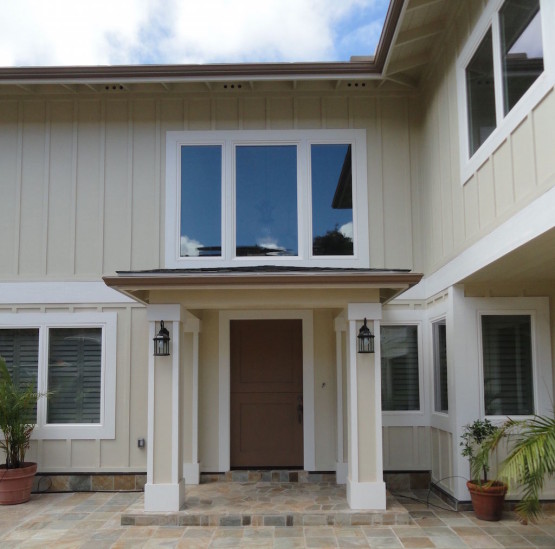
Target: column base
(366, 495)
(164, 497)
(341, 471)
(191, 473)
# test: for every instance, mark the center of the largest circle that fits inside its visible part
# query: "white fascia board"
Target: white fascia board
(532, 221)
(26, 293)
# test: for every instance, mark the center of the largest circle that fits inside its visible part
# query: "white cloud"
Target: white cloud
(189, 247)
(347, 230)
(74, 32)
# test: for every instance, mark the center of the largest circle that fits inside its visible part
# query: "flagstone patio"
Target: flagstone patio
(93, 520)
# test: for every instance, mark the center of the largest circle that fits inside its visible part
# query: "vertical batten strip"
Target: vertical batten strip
(158, 201)
(102, 180)
(19, 175)
(130, 142)
(74, 168)
(46, 188)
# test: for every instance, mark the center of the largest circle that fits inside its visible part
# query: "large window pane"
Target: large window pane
(266, 197)
(521, 47)
(74, 375)
(440, 367)
(332, 200)
(480, 94)
(400, 380)
(201, 198)
(507, 350)
(20, 349)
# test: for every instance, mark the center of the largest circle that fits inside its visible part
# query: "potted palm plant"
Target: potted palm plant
(531, 459)
(487, 496)
(17, 405)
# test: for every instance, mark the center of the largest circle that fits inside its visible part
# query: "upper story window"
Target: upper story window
(501, 75)
(266, 197)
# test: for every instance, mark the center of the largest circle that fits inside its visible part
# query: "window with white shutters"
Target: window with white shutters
(507, 357)
(72, 358)
(400, 376)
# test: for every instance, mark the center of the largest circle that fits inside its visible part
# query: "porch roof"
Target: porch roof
(137, 284)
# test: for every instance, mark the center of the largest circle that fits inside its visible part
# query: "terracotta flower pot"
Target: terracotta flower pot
(487, 499)
(16, 484)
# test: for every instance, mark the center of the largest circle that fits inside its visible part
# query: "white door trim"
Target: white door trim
(225, 384)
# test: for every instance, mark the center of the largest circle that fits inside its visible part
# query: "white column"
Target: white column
(191, 466)
(165, 487)
(365, 485)
(341, 466)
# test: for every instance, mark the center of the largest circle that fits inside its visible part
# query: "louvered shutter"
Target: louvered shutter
(20, 349)
(400, 379)
(74, 375)
(507, 351)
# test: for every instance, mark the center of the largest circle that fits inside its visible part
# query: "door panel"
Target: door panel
(266, 393)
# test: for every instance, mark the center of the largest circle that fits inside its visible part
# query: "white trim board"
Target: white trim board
(532, 221)
(225, 383)
(26, 293)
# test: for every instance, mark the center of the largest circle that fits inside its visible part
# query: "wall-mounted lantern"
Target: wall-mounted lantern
(162, 341)
(365, 339)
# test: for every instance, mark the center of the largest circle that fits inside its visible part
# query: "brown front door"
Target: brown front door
(266, 393)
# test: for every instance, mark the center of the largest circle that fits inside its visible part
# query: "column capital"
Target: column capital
(168, 312)
(370, 311)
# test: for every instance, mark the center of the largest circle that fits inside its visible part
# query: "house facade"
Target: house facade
(264, 213)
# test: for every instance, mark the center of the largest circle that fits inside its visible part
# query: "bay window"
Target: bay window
(294, 198)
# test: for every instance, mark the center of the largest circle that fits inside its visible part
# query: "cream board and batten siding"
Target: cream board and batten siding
(83, 178)
(457, 211)
(119, 454)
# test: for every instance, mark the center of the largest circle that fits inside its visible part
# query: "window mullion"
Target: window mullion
(229, 210)
(304, 212)
(497, 68)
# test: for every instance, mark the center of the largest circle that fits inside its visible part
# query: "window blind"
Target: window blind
(74, 375)
(507, 354)
(400, 379)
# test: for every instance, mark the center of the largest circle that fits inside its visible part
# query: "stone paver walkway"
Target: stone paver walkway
(92, 520)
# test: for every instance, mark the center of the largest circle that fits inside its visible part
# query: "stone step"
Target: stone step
(268, 475)
(267, 504)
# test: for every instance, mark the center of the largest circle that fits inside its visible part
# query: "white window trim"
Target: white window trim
(539, 89)
(43, 321)
(420, 411)
(230, 139)
(541, 367)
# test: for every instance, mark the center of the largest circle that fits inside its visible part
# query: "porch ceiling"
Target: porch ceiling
(139, 284)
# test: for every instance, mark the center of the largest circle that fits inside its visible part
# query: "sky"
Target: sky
(120, 32)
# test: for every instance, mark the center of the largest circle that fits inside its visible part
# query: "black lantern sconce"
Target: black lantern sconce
(162, 341)
(365, 339)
